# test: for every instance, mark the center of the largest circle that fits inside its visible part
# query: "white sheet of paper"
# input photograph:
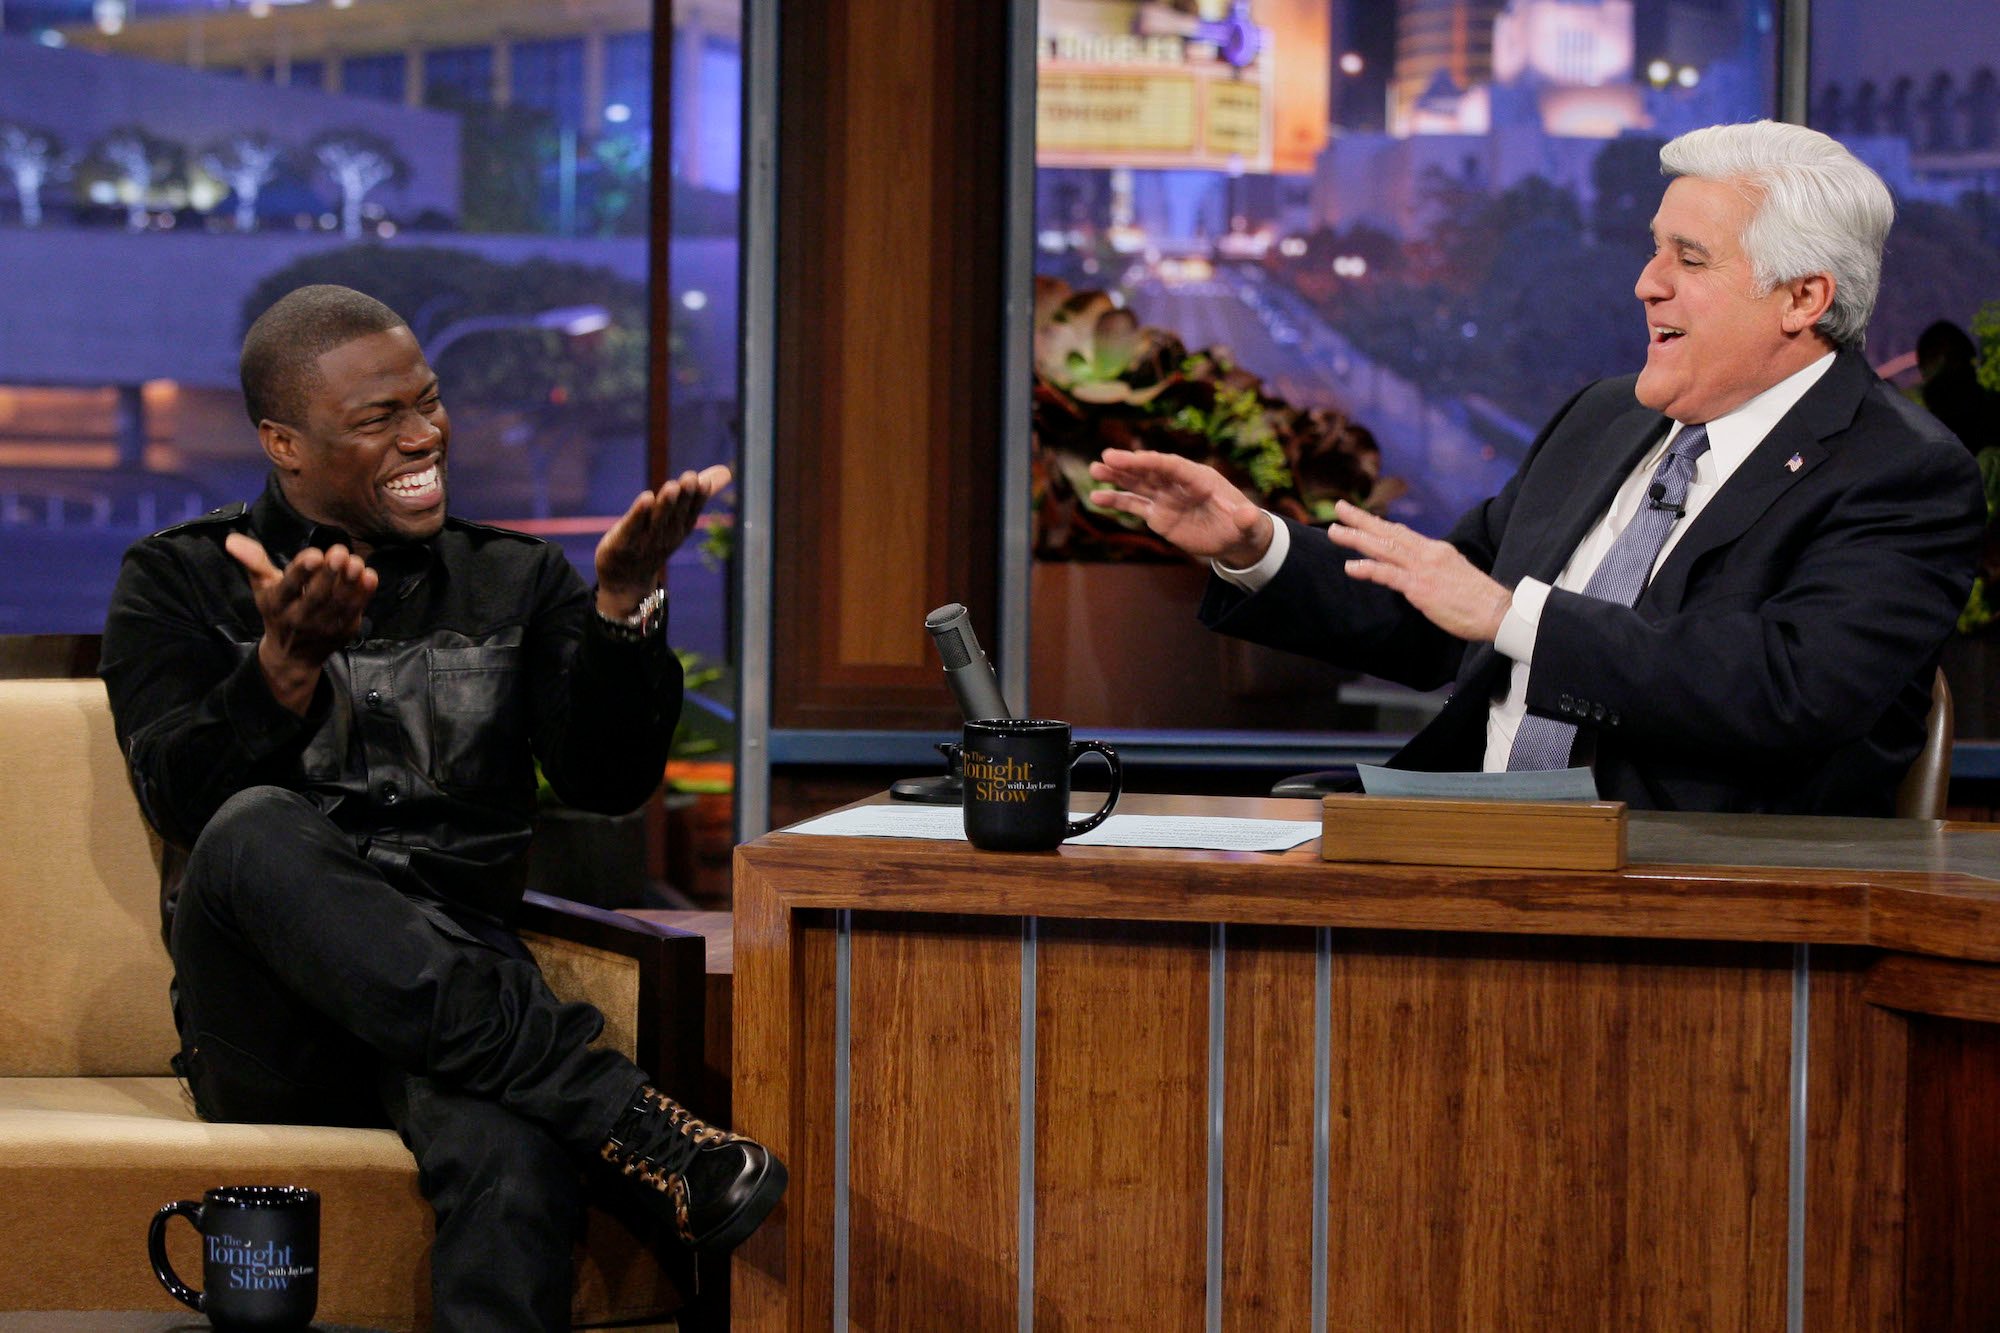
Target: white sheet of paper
(1202, 832)
(888, 821)
(946, 823)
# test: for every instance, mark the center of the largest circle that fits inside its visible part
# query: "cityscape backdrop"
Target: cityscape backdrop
(1425, 215)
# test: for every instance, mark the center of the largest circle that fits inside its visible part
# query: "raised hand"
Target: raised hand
(631, 557)
(311, 609)
(1451, 592)
(1188, 503)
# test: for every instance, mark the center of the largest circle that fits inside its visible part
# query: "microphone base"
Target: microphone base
(943, 789)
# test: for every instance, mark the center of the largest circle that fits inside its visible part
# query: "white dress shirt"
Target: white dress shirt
(1731, 439)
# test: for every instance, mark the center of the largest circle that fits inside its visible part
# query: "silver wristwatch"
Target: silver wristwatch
(642, 624)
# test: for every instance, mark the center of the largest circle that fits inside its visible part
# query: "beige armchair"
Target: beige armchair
(95, 1133)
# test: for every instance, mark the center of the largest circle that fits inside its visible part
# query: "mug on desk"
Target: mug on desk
(259, 1255)
(1017, 784)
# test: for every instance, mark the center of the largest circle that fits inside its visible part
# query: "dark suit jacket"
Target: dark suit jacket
(1780, 660)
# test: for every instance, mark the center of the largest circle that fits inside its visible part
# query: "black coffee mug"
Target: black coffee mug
(259, 1255)
(1017, 784)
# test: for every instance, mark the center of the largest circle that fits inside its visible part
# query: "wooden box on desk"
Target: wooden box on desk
(1532, 835)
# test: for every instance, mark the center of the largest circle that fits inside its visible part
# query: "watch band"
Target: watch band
(642, 624)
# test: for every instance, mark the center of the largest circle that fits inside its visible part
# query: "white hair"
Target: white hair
(1818, 209)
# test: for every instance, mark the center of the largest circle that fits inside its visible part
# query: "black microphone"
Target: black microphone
(966, 669)
(1658, 500)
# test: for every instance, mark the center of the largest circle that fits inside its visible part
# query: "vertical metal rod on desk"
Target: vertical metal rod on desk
(1322, 1114)
(843, 983)
(1218, 1024)
(1025, 1238)
(1795, 1197)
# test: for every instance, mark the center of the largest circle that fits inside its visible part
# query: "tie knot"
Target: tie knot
(1691, 443)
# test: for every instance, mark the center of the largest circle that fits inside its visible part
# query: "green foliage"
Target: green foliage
(1980, 611)
(699, 733)
(502, 153)
(1986, 332)
(621, 178)
(1103, 380)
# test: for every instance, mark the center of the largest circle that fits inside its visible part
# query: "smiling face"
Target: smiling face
(370, 455)
(1714, 343)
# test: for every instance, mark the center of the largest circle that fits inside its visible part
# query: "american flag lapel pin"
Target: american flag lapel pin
(1794, 463)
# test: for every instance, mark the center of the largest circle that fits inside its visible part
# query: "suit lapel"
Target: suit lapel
(1766, 474)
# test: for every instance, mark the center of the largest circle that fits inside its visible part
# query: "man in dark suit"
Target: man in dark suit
(1722, 583)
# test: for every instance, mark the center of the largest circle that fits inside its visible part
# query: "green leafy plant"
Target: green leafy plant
(1104, 380)
(1981, 611)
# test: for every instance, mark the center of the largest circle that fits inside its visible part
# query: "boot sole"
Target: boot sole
(749, 1215)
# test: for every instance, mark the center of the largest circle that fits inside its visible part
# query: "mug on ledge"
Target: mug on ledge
(1017, 784)
(259, 1255)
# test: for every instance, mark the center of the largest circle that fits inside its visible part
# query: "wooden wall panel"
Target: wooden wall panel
(1121, 1149)
(1513, 1123)
(1268, 1130)
(935, 1050)
(1856, 1128)
(891, 200)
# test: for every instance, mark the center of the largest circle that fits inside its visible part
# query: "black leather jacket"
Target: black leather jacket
(478, 655)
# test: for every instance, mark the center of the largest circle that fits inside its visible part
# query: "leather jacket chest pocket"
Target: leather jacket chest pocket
(478, 716)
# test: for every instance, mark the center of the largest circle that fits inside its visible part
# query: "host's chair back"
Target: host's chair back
(1925, 786)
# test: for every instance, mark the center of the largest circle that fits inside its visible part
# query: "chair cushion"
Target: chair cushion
(86, 1163)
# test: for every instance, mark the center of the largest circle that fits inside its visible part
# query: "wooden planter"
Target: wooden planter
(1118, 645)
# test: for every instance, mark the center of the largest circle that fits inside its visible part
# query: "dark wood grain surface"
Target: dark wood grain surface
(1560, 1099)
(935, 1124)
(1908, 885)
(1120, 1126)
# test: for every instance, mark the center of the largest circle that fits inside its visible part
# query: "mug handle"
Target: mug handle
(156, 1247)
(1077, 750)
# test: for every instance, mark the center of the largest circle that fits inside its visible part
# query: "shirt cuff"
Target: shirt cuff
(1523, 621)
(1253, 577)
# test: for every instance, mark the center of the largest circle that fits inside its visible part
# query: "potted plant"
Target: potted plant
(1115, 640)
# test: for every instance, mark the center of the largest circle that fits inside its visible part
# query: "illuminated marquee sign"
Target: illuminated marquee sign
(1199, 98)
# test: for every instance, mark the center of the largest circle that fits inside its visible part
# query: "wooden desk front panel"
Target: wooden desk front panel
(1523, 1133)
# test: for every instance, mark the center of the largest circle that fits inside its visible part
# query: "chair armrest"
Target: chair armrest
(672, 970)
(1318, 783)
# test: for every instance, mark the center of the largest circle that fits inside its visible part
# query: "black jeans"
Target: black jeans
(313, 991)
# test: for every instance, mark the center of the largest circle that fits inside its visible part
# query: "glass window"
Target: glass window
(380, 76)
(1366, 251)
(514, 239)
(628, 79)
(1916, 100)
(548, 76)
(458, 76)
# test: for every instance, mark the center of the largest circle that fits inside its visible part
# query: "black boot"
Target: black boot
(714, 1186)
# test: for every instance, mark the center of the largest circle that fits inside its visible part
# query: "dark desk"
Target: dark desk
(1751, 1081)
